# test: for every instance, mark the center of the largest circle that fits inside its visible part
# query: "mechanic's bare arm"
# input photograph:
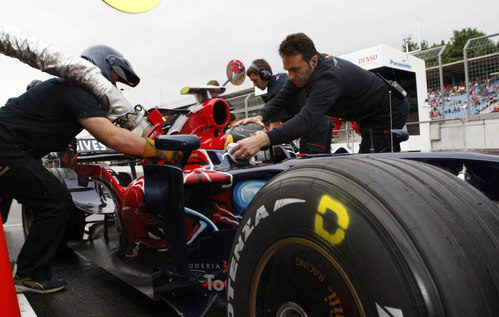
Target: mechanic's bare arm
(115, 137)
(256, 119)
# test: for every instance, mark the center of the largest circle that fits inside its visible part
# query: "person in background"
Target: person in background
(214, 95)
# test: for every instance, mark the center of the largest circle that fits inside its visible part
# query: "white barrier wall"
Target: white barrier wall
(476, 133)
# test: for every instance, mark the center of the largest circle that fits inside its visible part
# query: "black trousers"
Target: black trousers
(319, 141)
(25, 178)
(378, 126)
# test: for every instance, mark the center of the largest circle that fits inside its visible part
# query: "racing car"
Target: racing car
(389, 234)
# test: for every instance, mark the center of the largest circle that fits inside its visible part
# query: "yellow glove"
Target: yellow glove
(167, 156)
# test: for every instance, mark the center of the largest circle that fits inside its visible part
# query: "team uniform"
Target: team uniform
(42, 120)
(318, 140)
(338, 88)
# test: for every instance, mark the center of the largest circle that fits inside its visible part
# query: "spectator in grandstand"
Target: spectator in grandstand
(483, 93)
(333, 87)
(318, 140)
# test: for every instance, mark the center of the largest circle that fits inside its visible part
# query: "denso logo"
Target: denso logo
(366, 59)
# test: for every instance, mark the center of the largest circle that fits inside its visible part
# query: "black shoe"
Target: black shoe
(26, 284)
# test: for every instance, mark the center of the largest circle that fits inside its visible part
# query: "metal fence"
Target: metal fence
(246, 105)
(449, 96)
(434, 77)
(481, 69)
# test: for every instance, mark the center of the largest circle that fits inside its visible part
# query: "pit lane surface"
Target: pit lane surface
(91, 291)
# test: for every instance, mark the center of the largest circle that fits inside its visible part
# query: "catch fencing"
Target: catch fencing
(434, 75)
(481, 69)
(465, 87)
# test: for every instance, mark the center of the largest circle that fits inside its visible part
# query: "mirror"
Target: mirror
(236, 73)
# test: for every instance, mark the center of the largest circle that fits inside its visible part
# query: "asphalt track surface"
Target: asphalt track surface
(91, 291)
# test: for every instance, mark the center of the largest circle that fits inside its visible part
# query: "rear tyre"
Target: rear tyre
(366, 237)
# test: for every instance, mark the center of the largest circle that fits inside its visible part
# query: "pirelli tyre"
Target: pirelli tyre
(76, 226)
(366, 237)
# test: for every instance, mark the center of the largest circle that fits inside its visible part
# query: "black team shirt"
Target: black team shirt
(337, 88)
(275, 84)
(45, 118)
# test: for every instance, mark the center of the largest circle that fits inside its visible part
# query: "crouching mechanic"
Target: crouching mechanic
(333, 87)
(45, 119)
(319, 138)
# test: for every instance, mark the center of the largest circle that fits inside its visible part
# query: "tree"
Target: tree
(442, 43)
(414, 46)
(455, 45)
(454, 51)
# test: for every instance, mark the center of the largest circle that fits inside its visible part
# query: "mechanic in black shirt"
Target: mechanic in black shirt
(319, 139)
(45, 119)
(334, 87)
(5, 200)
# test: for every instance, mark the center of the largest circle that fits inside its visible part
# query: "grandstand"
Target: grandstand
(484, 99)
(476, 76)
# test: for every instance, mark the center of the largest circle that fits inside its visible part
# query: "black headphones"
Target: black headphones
(262, 72)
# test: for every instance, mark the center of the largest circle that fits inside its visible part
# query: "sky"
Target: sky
(182, 43)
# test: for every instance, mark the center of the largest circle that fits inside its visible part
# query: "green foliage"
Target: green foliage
(442, 43)
(413, 46)
(454, 50)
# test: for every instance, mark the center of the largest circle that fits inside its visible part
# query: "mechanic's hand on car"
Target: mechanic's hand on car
(248, 147)
(256, 119)
(167, 156)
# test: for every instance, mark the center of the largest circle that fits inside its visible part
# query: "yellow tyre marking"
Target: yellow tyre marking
(328, 204)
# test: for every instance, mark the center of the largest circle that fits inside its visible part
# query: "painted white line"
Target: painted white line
(13, 225)
(25, 307)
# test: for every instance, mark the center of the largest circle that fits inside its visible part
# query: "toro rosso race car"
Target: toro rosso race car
(392, 234)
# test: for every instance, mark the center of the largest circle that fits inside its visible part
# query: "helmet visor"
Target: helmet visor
(124, 70)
